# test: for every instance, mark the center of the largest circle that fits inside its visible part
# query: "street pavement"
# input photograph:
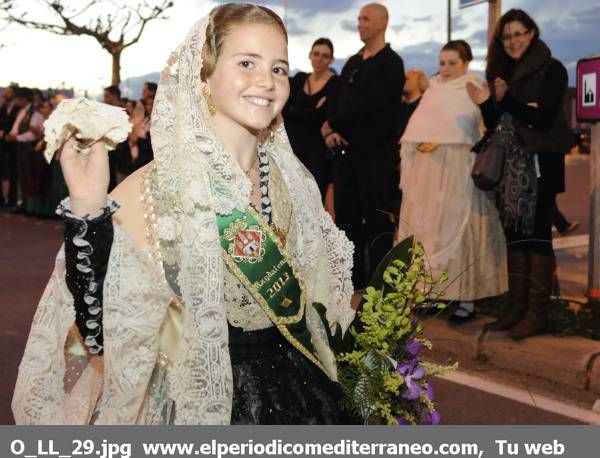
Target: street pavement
(565, 369)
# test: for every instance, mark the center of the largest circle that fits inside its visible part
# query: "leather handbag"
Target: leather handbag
(490, 155)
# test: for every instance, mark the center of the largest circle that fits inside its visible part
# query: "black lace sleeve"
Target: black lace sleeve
(87, 248)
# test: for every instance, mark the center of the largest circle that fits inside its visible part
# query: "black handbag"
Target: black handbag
(491, 153)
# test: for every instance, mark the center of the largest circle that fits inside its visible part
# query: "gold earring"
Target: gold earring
(212, 109)
(272, 135)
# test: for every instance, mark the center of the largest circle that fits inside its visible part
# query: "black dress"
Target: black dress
(273, 383)
(303, 123)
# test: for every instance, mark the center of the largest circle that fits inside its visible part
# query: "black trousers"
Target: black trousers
(365, 205)
(558, 219)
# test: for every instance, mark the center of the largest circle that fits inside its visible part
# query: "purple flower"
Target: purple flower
(429, 390)
(431, 418)
(411, 371)
(413, 346)
(402, 421)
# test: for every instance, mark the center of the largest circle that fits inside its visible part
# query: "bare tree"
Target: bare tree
(114, 31)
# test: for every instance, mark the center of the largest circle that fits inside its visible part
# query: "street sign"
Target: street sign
(465, 3)
(587, 106)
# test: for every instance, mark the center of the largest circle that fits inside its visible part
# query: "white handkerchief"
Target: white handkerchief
(91, 121)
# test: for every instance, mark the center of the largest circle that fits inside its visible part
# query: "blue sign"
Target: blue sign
(465, 3)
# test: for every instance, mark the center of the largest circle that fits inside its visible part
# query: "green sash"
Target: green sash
(255, 255)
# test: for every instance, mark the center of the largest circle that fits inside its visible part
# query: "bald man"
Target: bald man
(414, 87)
(364, 117)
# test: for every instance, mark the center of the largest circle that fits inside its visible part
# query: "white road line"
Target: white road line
(524, 396)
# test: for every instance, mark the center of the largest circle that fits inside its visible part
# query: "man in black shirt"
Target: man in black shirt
(364, 120)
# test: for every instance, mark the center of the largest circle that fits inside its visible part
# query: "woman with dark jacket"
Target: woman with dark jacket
(529, 84)
(306, 110)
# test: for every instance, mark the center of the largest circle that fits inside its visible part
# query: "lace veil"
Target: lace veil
(199, 178)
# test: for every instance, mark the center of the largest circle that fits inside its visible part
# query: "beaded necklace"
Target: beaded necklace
(263, 185)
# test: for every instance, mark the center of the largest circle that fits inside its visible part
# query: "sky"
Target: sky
(417, 30)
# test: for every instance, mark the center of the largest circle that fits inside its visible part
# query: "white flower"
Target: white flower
(166, 228)
(93, 121)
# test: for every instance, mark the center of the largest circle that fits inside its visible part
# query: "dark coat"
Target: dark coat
(537, 87)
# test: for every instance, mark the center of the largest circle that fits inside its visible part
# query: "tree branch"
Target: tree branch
(100, 28)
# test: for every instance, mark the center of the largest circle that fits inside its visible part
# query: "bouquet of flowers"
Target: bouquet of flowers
(381, 373)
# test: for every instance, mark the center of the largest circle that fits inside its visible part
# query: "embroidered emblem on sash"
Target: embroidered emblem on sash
(246, 243)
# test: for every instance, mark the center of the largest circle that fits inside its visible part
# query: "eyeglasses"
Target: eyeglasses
(515, 35)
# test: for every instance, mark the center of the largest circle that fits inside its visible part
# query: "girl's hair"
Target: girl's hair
(223, 19)
(323, 41)
(498, 61)
(461, 47)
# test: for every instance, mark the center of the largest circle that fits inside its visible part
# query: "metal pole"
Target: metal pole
(494, 13)
(594, 256)
(449, 21)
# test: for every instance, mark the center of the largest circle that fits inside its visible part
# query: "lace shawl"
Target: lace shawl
(445, 114)
(195, 178)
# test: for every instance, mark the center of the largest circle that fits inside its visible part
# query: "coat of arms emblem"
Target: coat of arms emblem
(246, 243)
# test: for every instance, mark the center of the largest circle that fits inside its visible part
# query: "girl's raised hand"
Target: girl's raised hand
(87, 177)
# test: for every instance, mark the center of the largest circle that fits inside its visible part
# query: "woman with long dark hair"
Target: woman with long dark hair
(528, 84)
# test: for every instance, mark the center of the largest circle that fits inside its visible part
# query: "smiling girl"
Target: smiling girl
(190, 301)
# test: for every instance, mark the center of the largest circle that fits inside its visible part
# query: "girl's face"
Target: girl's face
(320, 58)
(516, 39)
(451, 65)
(249, 85)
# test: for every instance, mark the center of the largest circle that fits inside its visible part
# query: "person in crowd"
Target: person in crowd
(529, 84)
(363, 122)
(8, 157)
(306, 111)
(456, 222)
(129, 105)
(25, 133)
(415, 85)
(174, 331)
(112, 96)
(149, 90)
(139, 142)
(47, 185)
(39, 173)
(56, 98)
(37, 97)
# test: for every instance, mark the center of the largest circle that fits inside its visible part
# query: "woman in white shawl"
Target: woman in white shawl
(188, 298)
(456, 222)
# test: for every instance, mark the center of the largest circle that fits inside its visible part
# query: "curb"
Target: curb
(572, 361)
